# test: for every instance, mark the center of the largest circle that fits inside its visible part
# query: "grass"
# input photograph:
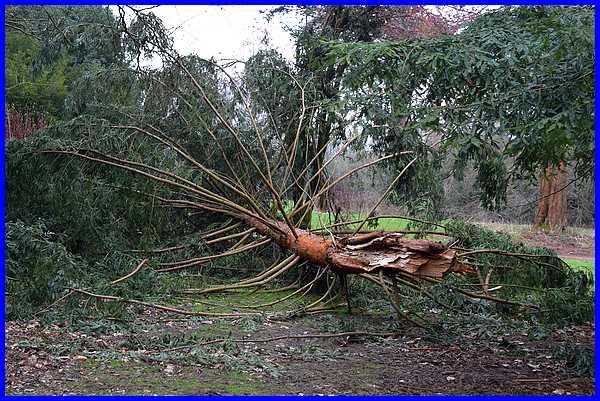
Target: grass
(582, 265)
(319, 220)
(135, 378)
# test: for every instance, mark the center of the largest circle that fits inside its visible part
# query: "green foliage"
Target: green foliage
(38, 268)
(561, 293)
(522, 271)
(509, 95)
(85, 34)
(48, 49)
(579, 358)
(99, 208)
(41, 91)
(95, 207)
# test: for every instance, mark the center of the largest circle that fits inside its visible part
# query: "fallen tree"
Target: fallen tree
(247, 191)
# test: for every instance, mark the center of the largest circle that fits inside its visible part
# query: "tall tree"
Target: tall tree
(512, 94)
(195, 141)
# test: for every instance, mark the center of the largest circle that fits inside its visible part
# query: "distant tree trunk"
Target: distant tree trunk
(552, 206)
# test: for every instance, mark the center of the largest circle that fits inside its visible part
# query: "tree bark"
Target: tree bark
(368, 253)
(552, 205)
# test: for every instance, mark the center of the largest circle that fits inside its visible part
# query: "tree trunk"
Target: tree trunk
(552, 205)
(368, 253)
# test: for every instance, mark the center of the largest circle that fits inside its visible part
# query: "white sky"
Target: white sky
(224, 32)
(228, 32)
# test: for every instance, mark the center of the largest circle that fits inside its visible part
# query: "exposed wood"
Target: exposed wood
(369, 253)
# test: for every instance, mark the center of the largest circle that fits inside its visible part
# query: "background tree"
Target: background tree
(512, 94)
(49, 52)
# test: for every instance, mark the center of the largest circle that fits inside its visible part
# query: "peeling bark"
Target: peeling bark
(369, 253)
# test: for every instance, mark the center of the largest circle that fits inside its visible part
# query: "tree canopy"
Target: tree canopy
(49, 49)
(510, 94)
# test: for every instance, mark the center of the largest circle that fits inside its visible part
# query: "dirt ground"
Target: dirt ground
(573, 243)
(159, 356)
(566, 246)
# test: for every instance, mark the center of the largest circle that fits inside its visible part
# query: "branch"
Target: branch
(110, 298)
(193, 262)
(385, 194)
(261, 279)
(134, 271)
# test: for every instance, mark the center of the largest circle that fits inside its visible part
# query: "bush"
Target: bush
(38, 268)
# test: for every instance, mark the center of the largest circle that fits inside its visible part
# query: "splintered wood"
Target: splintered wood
(391, 252)
(369, 253)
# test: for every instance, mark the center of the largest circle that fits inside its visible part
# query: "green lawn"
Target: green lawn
(392, 224)
(583, 265)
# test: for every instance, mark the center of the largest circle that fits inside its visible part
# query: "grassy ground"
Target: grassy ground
(584, 265)
(392, 224)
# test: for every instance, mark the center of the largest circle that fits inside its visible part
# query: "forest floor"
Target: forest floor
(157, 353)
(58, 360)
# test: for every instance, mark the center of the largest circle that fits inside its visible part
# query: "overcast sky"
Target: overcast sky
(224, 31)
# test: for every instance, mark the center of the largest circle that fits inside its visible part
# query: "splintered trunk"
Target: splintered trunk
(552, 206)
(368, 253)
